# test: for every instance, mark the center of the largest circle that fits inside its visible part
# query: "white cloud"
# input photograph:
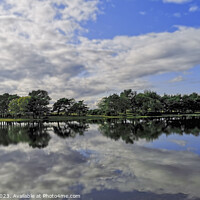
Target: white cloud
(142, 13)
(177, 1)
(176, 79)
(40, 48)
(42, 20)
(177, 14)
(179, 142)
(193, 8)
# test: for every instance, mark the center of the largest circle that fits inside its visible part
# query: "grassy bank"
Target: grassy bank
(93, 117)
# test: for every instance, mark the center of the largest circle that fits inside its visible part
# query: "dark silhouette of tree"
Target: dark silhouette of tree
(126, 103)
(5, 99)
(125, 100)
(63, 105)
(148, 103)
(111, 105)
(79, 108)
(38, 103)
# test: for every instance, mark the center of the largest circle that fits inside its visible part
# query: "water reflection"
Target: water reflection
(76, 157)
(35, 135)
(130, 131)
(70, 128)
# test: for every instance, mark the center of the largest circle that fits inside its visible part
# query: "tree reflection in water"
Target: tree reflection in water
(150, 130)
(70, 129)
(37, 134)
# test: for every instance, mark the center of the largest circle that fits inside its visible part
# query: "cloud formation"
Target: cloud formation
(177, 1)
(176, 79)
(42, 47)
(193, 9)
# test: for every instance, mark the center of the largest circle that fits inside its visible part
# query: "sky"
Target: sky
(87, 49)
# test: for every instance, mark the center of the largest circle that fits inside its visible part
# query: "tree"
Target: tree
(18, 106)
(111, 105)
(125, 100)
(63, 105)
(103, 105)
(174, 103)
(13, 107)
(23, 104)
(165, 103)
(142, 103)
(95, 112)
(194, 102)
(80, 108)
(38, 103)
(128, 100)
(154, 101)
(5, 99)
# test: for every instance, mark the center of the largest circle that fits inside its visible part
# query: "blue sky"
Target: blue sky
(87, 49)
(134, 17)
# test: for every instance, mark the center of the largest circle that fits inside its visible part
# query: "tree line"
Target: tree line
(37, 104)
(148, 103)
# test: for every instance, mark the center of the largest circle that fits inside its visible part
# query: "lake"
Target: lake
(157, 159)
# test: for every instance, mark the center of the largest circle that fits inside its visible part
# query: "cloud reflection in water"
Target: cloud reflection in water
(91, 163)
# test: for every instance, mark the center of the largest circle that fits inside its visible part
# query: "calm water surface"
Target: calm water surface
(111, 160)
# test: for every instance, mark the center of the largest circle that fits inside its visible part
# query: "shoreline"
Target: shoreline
(94, 117)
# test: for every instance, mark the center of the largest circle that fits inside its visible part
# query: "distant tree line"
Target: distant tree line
(37, 104)
(147, 103)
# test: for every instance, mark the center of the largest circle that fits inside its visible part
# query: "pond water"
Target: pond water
(102, 160)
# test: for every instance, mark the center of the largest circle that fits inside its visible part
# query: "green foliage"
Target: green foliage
(5, 99)
(79, 108)
(38, 103)
(127, 103)
(13, 107)
(95, 112)
(112, 105)
(23, 104)
(149, 103)
(19, 106)
(63, 105)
